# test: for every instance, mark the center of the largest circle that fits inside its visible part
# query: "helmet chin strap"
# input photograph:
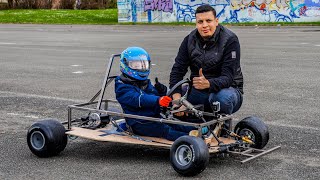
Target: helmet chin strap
(129, 80)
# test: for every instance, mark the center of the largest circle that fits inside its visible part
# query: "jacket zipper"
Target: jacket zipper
(204, 55)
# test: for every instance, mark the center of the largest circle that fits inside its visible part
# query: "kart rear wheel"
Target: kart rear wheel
(47, 138)
(189, 155)
(255, 129)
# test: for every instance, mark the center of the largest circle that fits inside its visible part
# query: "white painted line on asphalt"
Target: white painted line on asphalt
(76, 65)
(304, 43)
(31, 116)
(23, 115)
(293, 126)
(14, 94)
(6, 43)
(153, 64)
(51, 49)
(13, 114)
(317, 45)
(279, 124)
(77, 72)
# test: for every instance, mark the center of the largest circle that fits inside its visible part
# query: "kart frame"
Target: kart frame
(218, 144)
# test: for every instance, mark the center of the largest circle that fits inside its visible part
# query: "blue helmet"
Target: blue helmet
(135, 63)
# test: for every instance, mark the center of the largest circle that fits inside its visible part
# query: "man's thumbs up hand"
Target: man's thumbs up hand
(200, 73)
(200, 82)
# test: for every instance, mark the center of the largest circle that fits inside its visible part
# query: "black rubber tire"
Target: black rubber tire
(199, 155)
(47, 138)
(257, 127)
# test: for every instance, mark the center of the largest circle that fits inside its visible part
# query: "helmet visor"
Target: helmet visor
(139, 65)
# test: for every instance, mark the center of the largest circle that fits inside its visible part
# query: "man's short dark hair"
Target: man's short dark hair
(206, 8)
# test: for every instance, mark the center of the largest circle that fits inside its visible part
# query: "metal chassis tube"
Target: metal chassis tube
(111, 113)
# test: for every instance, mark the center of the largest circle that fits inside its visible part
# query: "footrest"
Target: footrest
(251, 153)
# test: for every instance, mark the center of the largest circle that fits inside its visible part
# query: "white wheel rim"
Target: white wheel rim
(183, 155)
(37, 140)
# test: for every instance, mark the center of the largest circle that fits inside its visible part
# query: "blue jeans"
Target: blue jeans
(230, 99)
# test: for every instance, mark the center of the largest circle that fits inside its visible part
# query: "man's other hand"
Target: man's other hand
(175, 97)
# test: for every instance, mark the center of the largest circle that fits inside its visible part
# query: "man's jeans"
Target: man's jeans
(230, 99)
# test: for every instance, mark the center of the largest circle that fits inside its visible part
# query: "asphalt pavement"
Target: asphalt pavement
(44, 68)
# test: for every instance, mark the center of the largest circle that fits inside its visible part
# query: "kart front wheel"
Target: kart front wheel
(46, 138)
(189, 155)
(254, 129)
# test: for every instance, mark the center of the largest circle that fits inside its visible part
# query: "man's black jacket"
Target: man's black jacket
(219, 58)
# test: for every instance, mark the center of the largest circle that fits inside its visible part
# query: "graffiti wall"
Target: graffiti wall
(231, 11)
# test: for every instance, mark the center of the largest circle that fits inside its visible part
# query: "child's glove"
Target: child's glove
(161, 88)
(164, 101)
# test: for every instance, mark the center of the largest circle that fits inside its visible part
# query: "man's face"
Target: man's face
(206, 24)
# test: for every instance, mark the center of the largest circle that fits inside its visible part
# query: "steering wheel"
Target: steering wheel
(183, 99)
(169, 93)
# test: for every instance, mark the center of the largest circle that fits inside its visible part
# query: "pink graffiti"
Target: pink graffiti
(160, 5)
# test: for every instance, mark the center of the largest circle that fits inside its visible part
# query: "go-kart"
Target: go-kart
(189, 155)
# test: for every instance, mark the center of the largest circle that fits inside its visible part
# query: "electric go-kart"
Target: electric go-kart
(189, 155)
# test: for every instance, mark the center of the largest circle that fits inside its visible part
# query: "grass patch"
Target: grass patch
(105, 16)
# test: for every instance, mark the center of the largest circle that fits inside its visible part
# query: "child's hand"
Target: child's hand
(161, 88)
(164, 101)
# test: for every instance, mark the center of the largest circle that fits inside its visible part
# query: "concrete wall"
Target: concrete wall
(227, 10)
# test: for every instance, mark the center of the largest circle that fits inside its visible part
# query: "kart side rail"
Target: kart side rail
(82, 107)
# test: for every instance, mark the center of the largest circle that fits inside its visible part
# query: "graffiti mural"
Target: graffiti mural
(229, 11)
(160, 5)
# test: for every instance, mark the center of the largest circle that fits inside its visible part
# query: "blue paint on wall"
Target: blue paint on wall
(134, 10)
(149, 16)
(315, 3)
